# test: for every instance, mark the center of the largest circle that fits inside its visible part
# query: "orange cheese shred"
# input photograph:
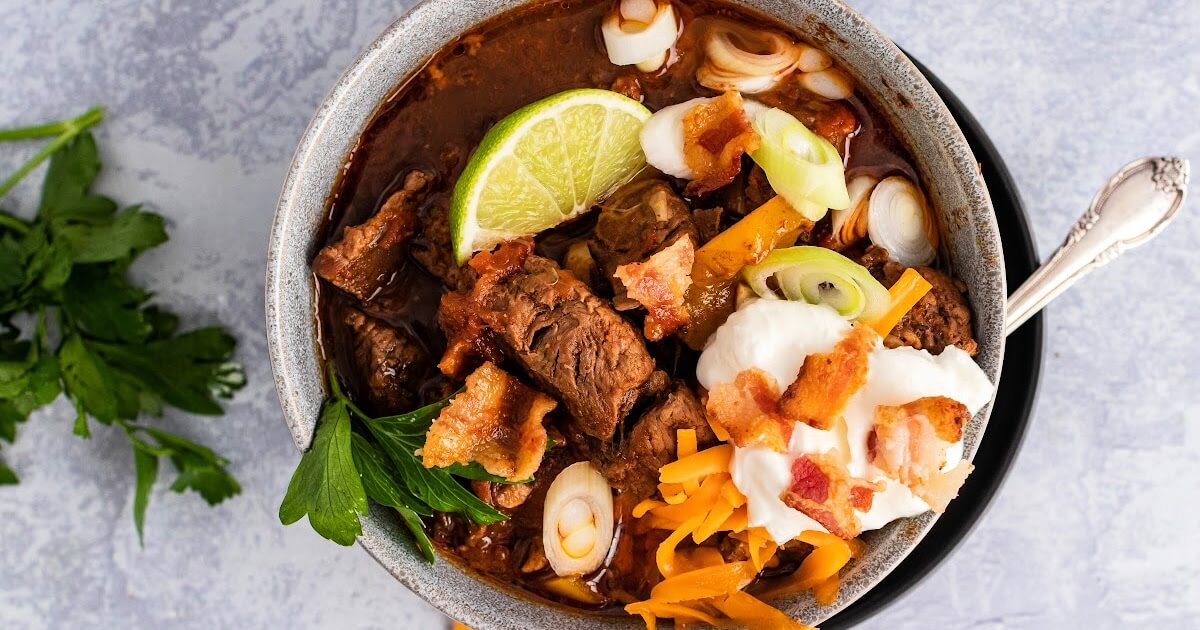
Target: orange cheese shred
(749, 612)
(731, 494)
(685, 446)
(697, 558)
(651, 610)
(738, 521)
(673, 493)
(710, 461)
(697, 504)
(905, 294)
(714, 581)
(717, 516)
(819, 539)
(646, 505)
(826, 592)
(665, 555)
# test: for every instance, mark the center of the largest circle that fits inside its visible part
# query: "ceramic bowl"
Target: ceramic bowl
(947, 166)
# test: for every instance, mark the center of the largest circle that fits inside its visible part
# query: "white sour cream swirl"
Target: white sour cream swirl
(775, 336)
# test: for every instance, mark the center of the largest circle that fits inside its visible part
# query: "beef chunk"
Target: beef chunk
(365, 258)
(569, 341)
(708, 222)
(758, 190)
(637, 221)
(941, 318)
(433, 251)
(633, 469)
(389, 359)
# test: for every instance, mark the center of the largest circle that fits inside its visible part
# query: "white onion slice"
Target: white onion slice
(638, 41)
(577, 520)
(737, 57)
(662, 139)
(900, 221)
(850, 225)
(813, 59)
(832, 84)
(638, 10)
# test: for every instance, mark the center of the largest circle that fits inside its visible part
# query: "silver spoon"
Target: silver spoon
(1133, 207)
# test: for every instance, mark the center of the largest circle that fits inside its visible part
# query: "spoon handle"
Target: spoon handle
(1134, 206)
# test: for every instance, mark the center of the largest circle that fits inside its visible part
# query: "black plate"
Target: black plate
(1014, 398)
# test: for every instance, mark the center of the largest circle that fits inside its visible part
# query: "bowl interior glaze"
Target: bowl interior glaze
(947, 166)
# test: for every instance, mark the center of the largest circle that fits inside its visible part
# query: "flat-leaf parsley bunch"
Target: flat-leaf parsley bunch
(71, 322)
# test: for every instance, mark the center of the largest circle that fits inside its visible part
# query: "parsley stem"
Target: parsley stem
(56, 128)
(14, 224)
(335, 388)
(67, 129)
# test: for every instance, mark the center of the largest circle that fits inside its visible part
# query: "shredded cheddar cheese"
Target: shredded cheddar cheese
(698, 501)
(905, 294)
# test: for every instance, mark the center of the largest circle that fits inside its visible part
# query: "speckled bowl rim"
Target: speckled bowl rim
(943, 157)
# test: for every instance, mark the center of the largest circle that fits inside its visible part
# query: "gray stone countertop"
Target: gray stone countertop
(1093, 529)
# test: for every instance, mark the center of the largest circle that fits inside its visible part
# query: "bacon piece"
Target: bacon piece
(660, 284)
(715, 136)
(827, 381)
(497, 422)
(823, 489)
(748, 409)
(908, 443)
(362, 262)
(941, 488)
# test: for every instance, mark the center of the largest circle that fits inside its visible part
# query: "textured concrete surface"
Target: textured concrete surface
(206, 102)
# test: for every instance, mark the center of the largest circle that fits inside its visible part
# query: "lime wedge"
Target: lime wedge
(543, 164)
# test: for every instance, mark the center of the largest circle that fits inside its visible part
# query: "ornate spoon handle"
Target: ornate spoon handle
(1134, 206)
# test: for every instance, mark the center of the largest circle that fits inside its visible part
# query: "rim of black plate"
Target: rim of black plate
(1016, 392)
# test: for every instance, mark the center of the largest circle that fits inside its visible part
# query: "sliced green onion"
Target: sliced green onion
(818, 276)
(801, 166)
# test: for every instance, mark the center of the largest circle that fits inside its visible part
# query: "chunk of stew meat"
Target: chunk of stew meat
(942, 318)
(391, 362)
(637, 221)
(570, 342)
(367, 255)
(633, 468)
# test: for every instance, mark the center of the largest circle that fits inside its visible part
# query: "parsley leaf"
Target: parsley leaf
(88, 379)
(326, 485)
(200, 469)
(379, 480)
(145, 466)
(118, 357)
(389, 470)
(126, 234)
(189, 371)
(7, 476)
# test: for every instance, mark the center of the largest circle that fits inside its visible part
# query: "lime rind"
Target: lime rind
(545, 163)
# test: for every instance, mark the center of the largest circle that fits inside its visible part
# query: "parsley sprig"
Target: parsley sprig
(355, 457)
(95, 336)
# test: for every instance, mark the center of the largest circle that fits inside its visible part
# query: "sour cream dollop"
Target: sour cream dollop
(775, 336)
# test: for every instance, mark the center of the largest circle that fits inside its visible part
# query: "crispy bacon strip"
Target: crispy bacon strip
(908, 443)
(825, 491)
(715, 136)
(497, 422)
(748, 410)
(827, 381)
(660, 284)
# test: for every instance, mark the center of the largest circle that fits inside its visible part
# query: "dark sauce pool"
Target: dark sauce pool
(433, 121)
